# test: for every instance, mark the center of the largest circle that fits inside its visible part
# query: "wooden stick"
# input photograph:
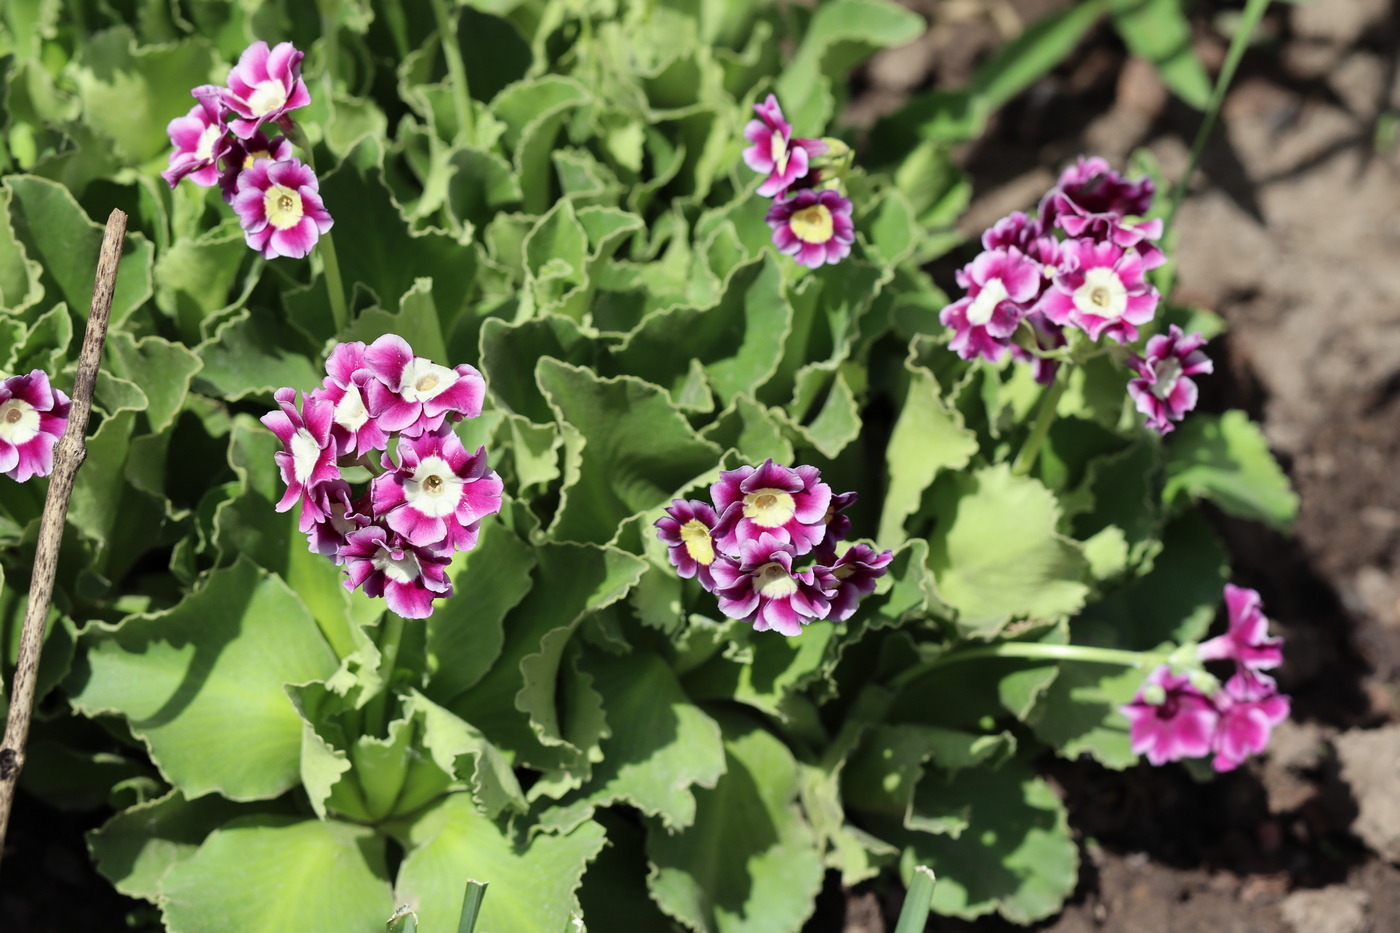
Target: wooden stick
(69, 454)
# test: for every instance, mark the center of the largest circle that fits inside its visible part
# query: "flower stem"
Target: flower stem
(1046, 417)
(1032, 651)
(461, 97)
(1248, 22)
(335, 288)
(376, 710)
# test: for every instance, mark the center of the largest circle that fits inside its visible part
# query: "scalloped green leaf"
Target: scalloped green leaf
(271, 874)
(253, 353)
(928, 437)
(20, 276)
(532, 887)
(164, 370)
(201, 683)
(1227, 460)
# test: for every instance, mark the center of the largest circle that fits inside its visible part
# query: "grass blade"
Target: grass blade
(914, 916)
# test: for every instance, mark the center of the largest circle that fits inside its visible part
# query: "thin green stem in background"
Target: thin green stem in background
(471, 905)
(335, 287)
(461, 95)
(1249, 21)
(1032, 651)
(914, 917)
(1048, 403)
(377, 709)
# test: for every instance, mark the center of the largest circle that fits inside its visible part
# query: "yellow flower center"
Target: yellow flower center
(252, 157)
(283, 207)
(267, 96)
(426, 383)
(812, 224)
(433, 485)
(774, 582)
(769, 508)
(698, 544)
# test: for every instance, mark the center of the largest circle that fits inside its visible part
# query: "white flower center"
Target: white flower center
(1102, 294)
(433, 489)
(1168, 372)
(305, 453)
(267, 97)
(350, 411)
(204, 152)
(769, 508)
(985, 304)
(698, 544)
(19, 421)
(423, 380)
(779, 151)
(283, 206)
(405, 569)
(774, 582)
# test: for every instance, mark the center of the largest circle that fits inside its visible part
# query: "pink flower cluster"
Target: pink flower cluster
(33, 416)
(1079, 264)
(743, 547)
(812, 225)
(221, 142)
(1172, 718)
(396, 538)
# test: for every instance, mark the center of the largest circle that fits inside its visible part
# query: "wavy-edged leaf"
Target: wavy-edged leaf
(1227, 460)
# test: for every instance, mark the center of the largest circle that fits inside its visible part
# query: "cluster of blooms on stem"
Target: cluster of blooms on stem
(744, 544)
(223, 141)
(1177, 715)
(1079, 264)
(33, 416)
(395, 538)
(810, 219)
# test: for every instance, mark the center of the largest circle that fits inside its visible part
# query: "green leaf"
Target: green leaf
(20, 275)
(637, 451)
(448, 739)
(660, 744)
(58, 235)
(1026, 59)
(164, 370)
(532, 888)
(1227, 460)
(995, 552)
(928, 437)
(253, 353)
(750, 429)
(508, 355)
(201, 684)
(135, 848)
(1159, 31)
(748, 863)
(763, 671)
(270, 875)
(416, 321)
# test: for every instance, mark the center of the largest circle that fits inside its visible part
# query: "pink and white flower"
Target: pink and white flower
(242, 153)
(774, 152)
(279, 208)
(1170, 718)
(762, 588)
(1164, 390)
(265, 86)
(1247, 642)
(1093, 201)
(788, 505)
(1000, 284)
(1102, 289)
(439, 493)
(413, 395)
(409, 578)
(690, 530)
(814, 227)
(33, 416)
(856, 573)
(307, 457)
(200, 139)
(341, 516)
(355, 431)
(1250, 707)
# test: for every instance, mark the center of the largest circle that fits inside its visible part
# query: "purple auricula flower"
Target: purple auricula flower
(341, 515)
(1247, 642)
(1092, 201)
(814, 227)
(200, 139)
(242, 153)
(1250, 707)
(1102, 289)
(264, 87)
(438, 494)
(1170, 718)
(1164, 390)
(855, 573)
(354, 431)
(409, 578)
(1000, 284)
(413, 395)
(307, 457)
(761, 587)
(279, 208)
(774, 152)
(838, 526)
(690, 530)
(1026, 234)
(33, 416)
(788, 504)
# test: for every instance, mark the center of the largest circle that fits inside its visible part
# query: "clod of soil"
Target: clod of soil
(1371, 765)
(1336, 909)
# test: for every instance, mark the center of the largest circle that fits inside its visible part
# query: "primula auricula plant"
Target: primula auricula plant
(33, 416)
